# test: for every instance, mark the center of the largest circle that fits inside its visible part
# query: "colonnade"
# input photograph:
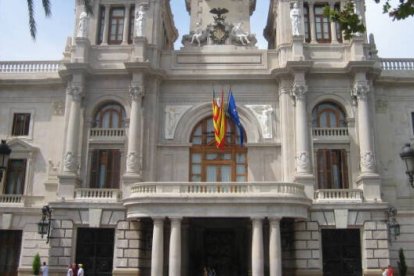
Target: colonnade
(257, 254)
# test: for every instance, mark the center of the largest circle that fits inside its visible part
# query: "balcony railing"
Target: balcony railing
(339, 195)
(12, 200)
(106, 134)
(330, 132)
(21, 67)
(98, 195)
(216, 189)
(397, 64)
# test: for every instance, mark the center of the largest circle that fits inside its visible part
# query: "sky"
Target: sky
(394, 39)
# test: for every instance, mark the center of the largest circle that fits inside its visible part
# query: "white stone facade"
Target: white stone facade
(159, 217)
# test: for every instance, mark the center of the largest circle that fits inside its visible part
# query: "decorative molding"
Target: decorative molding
(132, 162)
(368, 161)
(136, 92)
(70, 162)
(53, 168)
(58, 108)
(360, 90)
(299, 90)
(173, 114)
(76, 91)
(263, 115)
(302, 160)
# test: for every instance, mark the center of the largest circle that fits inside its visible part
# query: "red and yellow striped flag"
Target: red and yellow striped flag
(219, 120)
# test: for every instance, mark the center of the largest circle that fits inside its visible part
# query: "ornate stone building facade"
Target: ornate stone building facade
(117, 139)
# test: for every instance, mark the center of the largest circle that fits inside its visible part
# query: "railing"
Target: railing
(22, 67)
(330, 132)
(106, 133)
(11, 199)
(339, 195)
(217, 189)
(397, 64)
(97, 194)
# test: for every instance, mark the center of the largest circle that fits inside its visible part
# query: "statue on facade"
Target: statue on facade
(83, 25)
(197, 35)
(139, 23)
(295, 19)
(239, 35)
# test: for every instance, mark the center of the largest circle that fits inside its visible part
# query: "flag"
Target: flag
(219, 120)
(232, 113)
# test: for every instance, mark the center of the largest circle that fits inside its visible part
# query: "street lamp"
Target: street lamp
(44, 225)
(5, 152)
(407, 155)
(393, 226)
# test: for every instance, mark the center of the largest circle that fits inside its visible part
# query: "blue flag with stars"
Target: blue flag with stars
(232, 113)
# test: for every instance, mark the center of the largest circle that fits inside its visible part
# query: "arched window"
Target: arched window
(209, 164)
(111, 115)
(328, 115)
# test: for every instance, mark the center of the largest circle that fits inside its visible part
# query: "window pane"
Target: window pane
(241, 178)
(241, 158)
(196, 158)
(241, 169)
(211, 174)
(196, 169)
(197, 140)
(226, 156)
(15, 176)
(196, 178)
(211, 156)
(21, 124)
(225, 173)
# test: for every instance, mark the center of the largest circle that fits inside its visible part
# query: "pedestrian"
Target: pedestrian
(384, 272)
(70, 271)
(390, 271)
(45, 269)
(80, 270)
(75, 269)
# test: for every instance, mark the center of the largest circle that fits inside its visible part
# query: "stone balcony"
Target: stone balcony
(223, 199)
(102, 135)
(97, 195)
(333, 196)
(12, 201)
(334, 134)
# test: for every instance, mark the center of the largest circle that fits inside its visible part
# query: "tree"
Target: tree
(402, 266)
(351, 24)
(47, 9)
(36, 264)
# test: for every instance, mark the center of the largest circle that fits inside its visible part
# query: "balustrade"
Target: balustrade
(106, 132)
(21, 67)
(330, 132)
(11, 199)
(97, 194)
(397, 64)
(339, 195)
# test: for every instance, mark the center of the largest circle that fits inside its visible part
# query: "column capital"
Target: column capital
(299, 90)
(136, 91)
(368, 161)
(360, 90)
(75, 90)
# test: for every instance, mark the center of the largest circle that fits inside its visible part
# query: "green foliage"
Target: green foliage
(48, 12)
(36, 264)
(349, 22)
(402, 266)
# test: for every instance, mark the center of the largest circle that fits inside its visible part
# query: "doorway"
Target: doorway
(10, 244)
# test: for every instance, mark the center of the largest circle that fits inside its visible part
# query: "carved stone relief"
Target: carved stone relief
(173, 114)
(368, 161)
(263, 114)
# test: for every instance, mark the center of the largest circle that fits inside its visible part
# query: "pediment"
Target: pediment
(19, 145)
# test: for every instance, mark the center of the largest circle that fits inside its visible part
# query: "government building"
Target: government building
(114, 162)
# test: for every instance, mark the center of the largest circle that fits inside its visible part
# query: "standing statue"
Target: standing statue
(238, 34)
(197, 34)
(295, 18)
(139, 21)
(83, 25)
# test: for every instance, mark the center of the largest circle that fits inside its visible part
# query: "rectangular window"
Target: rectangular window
(337, 7)
(131, 24)
(307, 22)
(105, 169)
(116, 25)
(332, 169)
(101, 24)
(15, 177)
(21, 124)
(322, 25)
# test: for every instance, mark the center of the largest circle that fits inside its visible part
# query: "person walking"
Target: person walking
(81, 272)
(70, 271)
(390, 271)
(44, 269)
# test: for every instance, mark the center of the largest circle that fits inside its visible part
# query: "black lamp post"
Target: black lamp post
(44, 225)
(5, 152)
(407, 155)
(393, 226)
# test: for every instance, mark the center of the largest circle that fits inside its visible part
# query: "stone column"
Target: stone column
(299, 90)
(157, 253)
(106, 26)
(175, 248)
(134, 166)
(333, 26)
(126, 25)
(275, 248)
(286, 120)
(312, 23)
(75, 91)
(257, 247)
(367, 158)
